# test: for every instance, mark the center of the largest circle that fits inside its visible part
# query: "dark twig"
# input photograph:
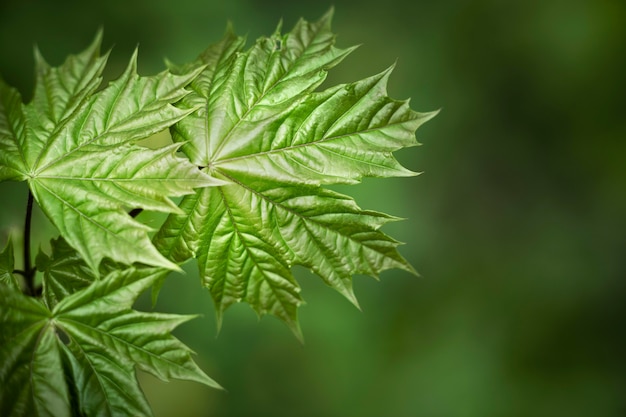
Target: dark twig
(29, 271)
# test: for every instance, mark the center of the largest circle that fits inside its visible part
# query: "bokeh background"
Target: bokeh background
(517, 225)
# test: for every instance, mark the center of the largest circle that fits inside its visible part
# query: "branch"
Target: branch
(29, 270)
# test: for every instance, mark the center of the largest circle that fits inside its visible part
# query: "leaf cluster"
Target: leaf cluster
(255, 143)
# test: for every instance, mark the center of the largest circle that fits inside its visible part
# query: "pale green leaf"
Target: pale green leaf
(75, 144)
(265, 130)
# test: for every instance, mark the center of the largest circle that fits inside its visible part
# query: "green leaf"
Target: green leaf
(92, 340)
(75, 145)
(31, 373)
(240, 94)
(64, 272)
(265, 130)
(108, 338)
(7, 265)
(12, 126)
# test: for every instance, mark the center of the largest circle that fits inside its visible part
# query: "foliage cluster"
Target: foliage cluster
(255, 143)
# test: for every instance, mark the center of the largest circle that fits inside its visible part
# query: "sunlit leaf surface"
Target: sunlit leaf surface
(262, 126)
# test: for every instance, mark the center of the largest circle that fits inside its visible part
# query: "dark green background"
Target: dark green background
(518, 224)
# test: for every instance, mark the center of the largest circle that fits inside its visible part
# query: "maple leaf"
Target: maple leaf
(264, 129)
(79, 357)
(75, 145)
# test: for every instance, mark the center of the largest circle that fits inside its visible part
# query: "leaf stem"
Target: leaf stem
(29, 271)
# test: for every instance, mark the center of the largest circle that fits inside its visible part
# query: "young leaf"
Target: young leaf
(276, 141)
(93, 339)
(74, 144)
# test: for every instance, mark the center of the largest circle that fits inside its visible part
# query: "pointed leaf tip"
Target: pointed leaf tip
(297, 331)
(328, 16)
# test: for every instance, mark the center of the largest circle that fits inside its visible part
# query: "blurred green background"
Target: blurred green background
(517, 226)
